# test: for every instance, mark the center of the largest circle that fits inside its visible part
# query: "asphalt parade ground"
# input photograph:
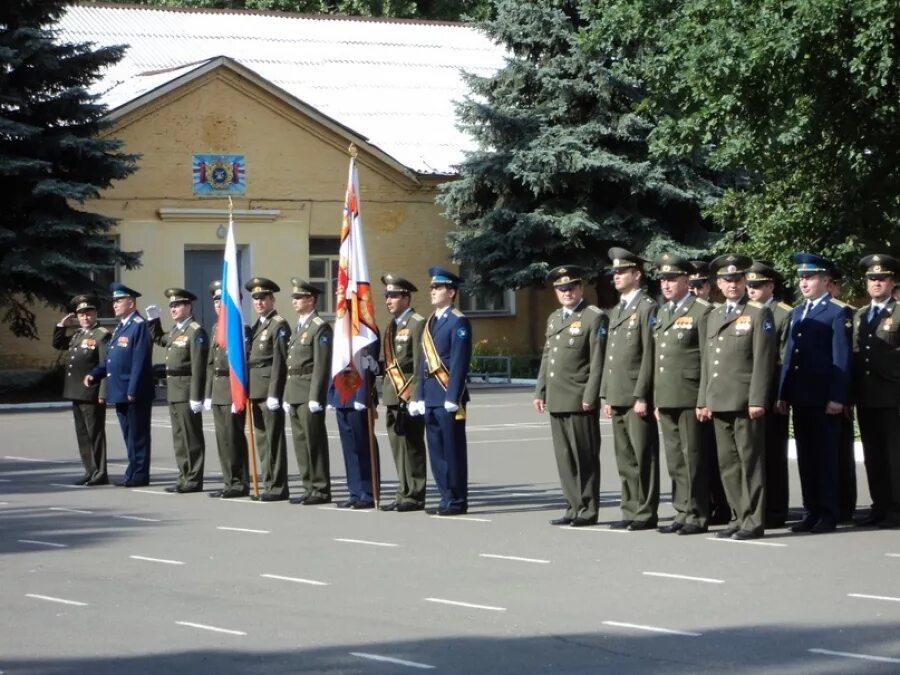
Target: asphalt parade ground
(114, 580)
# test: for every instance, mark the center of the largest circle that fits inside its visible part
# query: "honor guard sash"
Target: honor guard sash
(392, 368)
(436, 367)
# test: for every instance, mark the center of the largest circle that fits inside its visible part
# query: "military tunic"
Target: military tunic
(736, 373)
(679, 338)
(231, 439)
(876, 393)
(408, 447)
(308, 377)
(187, 350)
(569, 377)
(267, 363)
(85, 349)
(627, 378)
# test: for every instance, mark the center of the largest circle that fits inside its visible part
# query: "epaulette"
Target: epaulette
(102, 330)
(415, 316)
(786, 307)
(277, 317)
(592, 309)
(318, 320)
(841, 303)
(703, 302)
(754, 303)
(648, 300)
(716, 305)
(194, 325)
(138, 319)
(456, 312)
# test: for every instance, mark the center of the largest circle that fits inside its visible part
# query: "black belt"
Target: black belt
(177, 373)
(300, 371)
(222, 372)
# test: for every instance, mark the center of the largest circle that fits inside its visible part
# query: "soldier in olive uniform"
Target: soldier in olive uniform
(876, 388)
(306, 391)
(735, 384)
(267, 363)
(680, 337)
(402, 361)
(187, 349)
(85, 348)
(761, 278)
(626, 391)
(568, 387)
(231, 439)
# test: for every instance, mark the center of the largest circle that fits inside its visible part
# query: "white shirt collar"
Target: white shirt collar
(128, 318)
(439, 313)
(679, 303)
(182, 324)
(399, 319)
(628, 297)
(303, 318)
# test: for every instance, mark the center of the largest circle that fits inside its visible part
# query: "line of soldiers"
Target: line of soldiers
(719, 382)
(425, 363)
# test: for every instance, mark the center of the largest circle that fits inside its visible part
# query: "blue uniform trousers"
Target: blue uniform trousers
(446, 438)
(353, 426)
(817, 436)
(134, 419)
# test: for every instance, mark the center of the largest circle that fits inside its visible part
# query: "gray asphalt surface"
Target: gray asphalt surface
(109, 580)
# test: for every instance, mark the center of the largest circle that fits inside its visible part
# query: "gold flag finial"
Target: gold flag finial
(230, 206)
(353, 151)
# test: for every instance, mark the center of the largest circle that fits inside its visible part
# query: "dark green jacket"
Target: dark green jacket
(679, 338)
(628, 371)
(85, 349)
(267, 356)
(406, 338)
(876, 358)
(187, 349)
(309, 362)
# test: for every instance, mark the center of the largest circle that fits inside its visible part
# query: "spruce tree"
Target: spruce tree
(562, 170)
(52, 160)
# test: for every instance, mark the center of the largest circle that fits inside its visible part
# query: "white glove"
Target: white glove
(416, 408)
(152, 312)
(329, 407)
(196, 406)
(314, 407)
(233, 409)
(207, 404)
(370, 364)
(450, 407)
(358, 406)
(287, 408)
(272, 403)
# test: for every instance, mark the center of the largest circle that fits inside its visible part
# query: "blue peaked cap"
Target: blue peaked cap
(122, 291)
(811, 262)
(441, 276)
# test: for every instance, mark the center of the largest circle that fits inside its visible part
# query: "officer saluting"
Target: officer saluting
(447, 350)
(876, 388)
(187, 348)
(568, 387)
(86, 348)
(130, 388)
(402, 363)
(267, 363)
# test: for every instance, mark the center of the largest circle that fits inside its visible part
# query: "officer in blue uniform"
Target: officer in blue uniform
(353, 428)
(129, 385)
(446, 352)
(815, 380)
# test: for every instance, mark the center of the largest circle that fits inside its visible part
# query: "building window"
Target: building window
(324, 256)
(486, 303)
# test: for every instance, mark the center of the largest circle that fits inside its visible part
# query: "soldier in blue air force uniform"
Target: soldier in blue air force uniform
(129, 384)
(447, 350)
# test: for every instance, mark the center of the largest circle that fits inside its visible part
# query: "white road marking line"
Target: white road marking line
(214, 629)
(368, 543)
(7, 504)
(705, 580)
(851, 655)
(297, 580)
(139, 518)
(594, 529)
(242, 529)
(889, 555)
(469, 518)
(873, 597)
(68, 510)
(50, 598)
(153, 492)
(5, 480)
(157, 560)
(748, 541)
(35, 459)
(43, 543)
(457, 603)
(67, 487)
(390, 659)
(513, 557)
(651, 629)
(335, 508)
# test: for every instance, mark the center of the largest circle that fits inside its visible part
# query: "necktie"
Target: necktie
(873, 312)
(566, 314)
(729, 309)
(809, 304)
(622, 305)
(671, 306)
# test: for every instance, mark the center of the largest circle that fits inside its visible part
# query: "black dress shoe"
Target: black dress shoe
(271, 497)
(172, 488)
(432, 511)
(452, 511)
(824, 526)
(346, 504)
(315, 500)
(299, 500)
(620, 524)
(565, 520)
(871, 520)
(583, 522)
(671, 528)
(360, 505)
(805, 525)
(392, 506)
(744, 535)
(405, 507)
(215, 494)
(692, 528)
(889, 523)
(187, 489)
(134, 483)
(726, 533)
(82, 481)
(232, 493)
(98, 481)
(638, 525)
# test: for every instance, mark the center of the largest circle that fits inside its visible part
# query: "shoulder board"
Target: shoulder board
(138, 319)
(648, 300)
(456, 312)
(415, 316)
(591, 309)
(841, 303)
(701, 301)
(318, 320)
(194, 325)
(754, 303)
(101, 331)
(716, 305)
(277, 317)
(786, 307)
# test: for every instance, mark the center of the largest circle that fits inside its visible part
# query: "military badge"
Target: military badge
(684, 323)
(888, 323)
(743, 323)
(218, 175)
(323, 339)
(304, 335)
(180, 341)
(122, 341)
(575, 328)
(89, 343)
(632, 321)
(462, 333)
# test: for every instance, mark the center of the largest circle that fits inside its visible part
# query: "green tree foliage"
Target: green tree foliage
(51, 157)
(562, 169)
(801, 98)
(445, 10)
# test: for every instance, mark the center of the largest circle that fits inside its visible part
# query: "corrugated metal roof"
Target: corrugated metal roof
(394, 83)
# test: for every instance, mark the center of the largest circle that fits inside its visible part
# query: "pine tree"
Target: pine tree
(563, 169)
(51, 159)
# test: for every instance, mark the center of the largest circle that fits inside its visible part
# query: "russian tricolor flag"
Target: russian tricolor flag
(231, 323)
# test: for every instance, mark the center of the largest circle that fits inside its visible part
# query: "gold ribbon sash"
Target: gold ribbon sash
(392, 368)
(436, 367)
